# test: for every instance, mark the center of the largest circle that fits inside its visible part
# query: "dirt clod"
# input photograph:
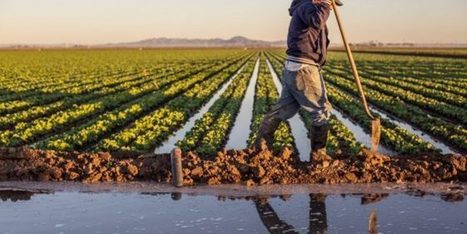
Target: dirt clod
(132, 169)
(247, 167)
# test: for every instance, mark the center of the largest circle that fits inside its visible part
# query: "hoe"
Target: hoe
(375, 121)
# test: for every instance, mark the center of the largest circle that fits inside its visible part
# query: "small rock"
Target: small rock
(213, 181)
(89, 169)
(56, 173)
(263, 145)
(351, 177)
(49, 154)
(213, 170)
(105, 156)
(335, 163)
(68, 166)
(259, 171)
(96, 162)
(234, 171)
(95, 178)
(197, 172)
(73, 176)
(250, 183)
(264, 181)
(458, 163)
(132, 169)
(44, 177)
(286, 153)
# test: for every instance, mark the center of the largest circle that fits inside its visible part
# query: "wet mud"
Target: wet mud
(247, 167)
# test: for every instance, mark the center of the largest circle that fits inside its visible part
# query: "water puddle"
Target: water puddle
(445, 149)
(151, 209)
(298, 127)
(240, 132)
(169, 145)
(360, 135)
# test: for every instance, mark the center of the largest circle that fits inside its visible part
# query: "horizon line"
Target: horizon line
(221, 38)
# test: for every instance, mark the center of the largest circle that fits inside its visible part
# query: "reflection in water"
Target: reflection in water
(270, 219)
(171, 212)
(318, 216)
(373, 223)
(15, 196)
(373, 198)
(452, 197)
(176, 196)
(318, 223)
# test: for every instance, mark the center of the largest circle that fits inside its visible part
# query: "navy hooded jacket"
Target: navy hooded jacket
(308, 34)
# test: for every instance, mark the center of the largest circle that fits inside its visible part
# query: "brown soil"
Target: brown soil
(228, 167)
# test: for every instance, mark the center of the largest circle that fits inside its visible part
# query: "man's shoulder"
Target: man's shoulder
(306, 6)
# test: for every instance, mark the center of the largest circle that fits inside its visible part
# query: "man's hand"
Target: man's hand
(328, 2)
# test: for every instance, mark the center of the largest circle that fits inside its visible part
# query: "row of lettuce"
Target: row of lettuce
(211, 132)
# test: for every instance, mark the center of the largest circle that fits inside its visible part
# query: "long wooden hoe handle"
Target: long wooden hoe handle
(352, 62)
(376, 122)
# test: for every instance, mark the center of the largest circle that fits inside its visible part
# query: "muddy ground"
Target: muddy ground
(229, 167)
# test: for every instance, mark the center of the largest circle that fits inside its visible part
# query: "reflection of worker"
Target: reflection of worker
(303, 84)
(271, 220)
(317, 216)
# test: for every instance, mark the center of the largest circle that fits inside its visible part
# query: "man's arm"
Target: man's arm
(315, 14)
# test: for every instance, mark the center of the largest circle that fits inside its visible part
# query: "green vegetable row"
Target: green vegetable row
(211, 132)
(8, 121)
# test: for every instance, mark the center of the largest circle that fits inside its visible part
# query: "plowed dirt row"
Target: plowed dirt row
(229, 167)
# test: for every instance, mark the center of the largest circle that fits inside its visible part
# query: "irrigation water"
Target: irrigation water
(241, 129)
(151, 208)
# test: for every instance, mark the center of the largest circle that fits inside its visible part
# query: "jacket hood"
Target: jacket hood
(295, 5)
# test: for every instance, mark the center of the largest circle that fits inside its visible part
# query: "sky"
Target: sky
(104, 21)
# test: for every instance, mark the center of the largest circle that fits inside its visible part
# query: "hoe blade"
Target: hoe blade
(375, 134)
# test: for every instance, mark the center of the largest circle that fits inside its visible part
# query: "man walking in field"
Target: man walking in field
(303, 83)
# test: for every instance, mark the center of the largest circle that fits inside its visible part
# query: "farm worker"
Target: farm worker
(303, 83)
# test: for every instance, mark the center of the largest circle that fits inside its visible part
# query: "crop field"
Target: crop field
(142, 100)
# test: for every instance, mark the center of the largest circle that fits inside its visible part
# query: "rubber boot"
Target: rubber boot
(319, 139)
(266, 132)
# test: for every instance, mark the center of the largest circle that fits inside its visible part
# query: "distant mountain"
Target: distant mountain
(163, 42)
(234, 42)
